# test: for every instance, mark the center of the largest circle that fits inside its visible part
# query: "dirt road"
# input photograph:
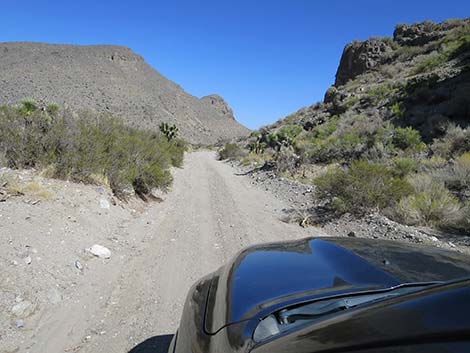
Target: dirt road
(209, 215)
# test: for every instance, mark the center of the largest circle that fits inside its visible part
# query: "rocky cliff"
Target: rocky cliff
(418, 78)
(112, 79)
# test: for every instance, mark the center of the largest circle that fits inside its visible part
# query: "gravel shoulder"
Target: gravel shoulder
(157, 252)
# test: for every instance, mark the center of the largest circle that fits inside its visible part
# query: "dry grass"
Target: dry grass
(15, 186)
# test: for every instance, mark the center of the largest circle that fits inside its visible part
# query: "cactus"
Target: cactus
(258, 145)
(170, 131)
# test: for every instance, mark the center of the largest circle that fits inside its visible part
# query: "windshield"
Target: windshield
(289, 318)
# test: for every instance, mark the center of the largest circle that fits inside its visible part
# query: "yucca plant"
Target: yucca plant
(27, 107)
(170, 131)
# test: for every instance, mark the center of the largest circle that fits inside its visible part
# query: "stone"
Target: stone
(104, 204)
(78, 265)
(419, 33)
(23, 309)
(359, 57)
(100, 251)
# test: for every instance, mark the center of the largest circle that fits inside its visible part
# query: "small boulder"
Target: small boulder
(99, 251)
(23, 309)
(104, 204)
(78, 265)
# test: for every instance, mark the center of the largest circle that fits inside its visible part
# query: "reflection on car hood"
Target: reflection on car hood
(272, 275)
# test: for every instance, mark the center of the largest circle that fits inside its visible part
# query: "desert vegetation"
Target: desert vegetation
(392, 140)
(88, 148)
(375, 168)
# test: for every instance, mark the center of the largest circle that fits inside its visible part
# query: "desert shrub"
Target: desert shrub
(88, 148)
(408, 139)
(431, 204)
(342, 146)
(290, 131)
(352, 101)
(455, 43)
(455, 142)
(380, 92)
(286, 161)
(456, 176)
(432, 164)
(430, 63)
(27, 107)
(397, 109)
(52, 109)
(231, 151)
(361, 187)
(407, 52)
(404, 166)
(322, 131)
(255, 159)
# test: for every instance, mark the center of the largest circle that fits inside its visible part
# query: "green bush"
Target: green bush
(431, 63)
(361, 187)
(381, 92)
(397, 110)
(431, 204)
(408, 139)
(86, 147)
(290, 131)
(404, 166)
(231, 151)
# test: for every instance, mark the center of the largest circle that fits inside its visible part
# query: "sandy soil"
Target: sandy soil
(158, 251)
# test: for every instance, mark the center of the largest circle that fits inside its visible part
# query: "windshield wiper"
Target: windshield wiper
(321, 308)
(309, 312)
(318, 309)
(288, 318)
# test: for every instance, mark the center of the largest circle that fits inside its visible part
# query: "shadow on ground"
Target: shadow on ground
(157, 344)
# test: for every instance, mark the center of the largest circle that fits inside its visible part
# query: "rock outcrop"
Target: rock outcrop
(359, 57)
(422, 33)
(111, 79)
(418, 78)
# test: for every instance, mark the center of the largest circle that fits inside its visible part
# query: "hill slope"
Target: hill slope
(111, 79)
(392, 134)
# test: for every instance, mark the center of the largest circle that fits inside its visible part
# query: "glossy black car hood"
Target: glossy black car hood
(270, 276)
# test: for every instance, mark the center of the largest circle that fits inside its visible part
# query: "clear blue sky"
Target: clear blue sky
(267, 58)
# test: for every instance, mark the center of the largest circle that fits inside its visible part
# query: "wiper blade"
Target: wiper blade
(309, 312)
(317, 309)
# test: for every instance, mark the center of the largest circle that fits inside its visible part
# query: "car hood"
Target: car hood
(265, 278)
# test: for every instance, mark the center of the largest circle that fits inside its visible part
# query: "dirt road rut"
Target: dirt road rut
(209, 215)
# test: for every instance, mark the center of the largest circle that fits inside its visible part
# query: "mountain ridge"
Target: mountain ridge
(111, 79)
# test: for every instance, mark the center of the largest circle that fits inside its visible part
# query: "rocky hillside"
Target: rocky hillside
(391, 136)
(424, 68)
(111, 79)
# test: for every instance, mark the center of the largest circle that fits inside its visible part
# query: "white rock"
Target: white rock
(104, 204)
(23, 309)
(78, 265)
(100, 251)
(27, 260)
